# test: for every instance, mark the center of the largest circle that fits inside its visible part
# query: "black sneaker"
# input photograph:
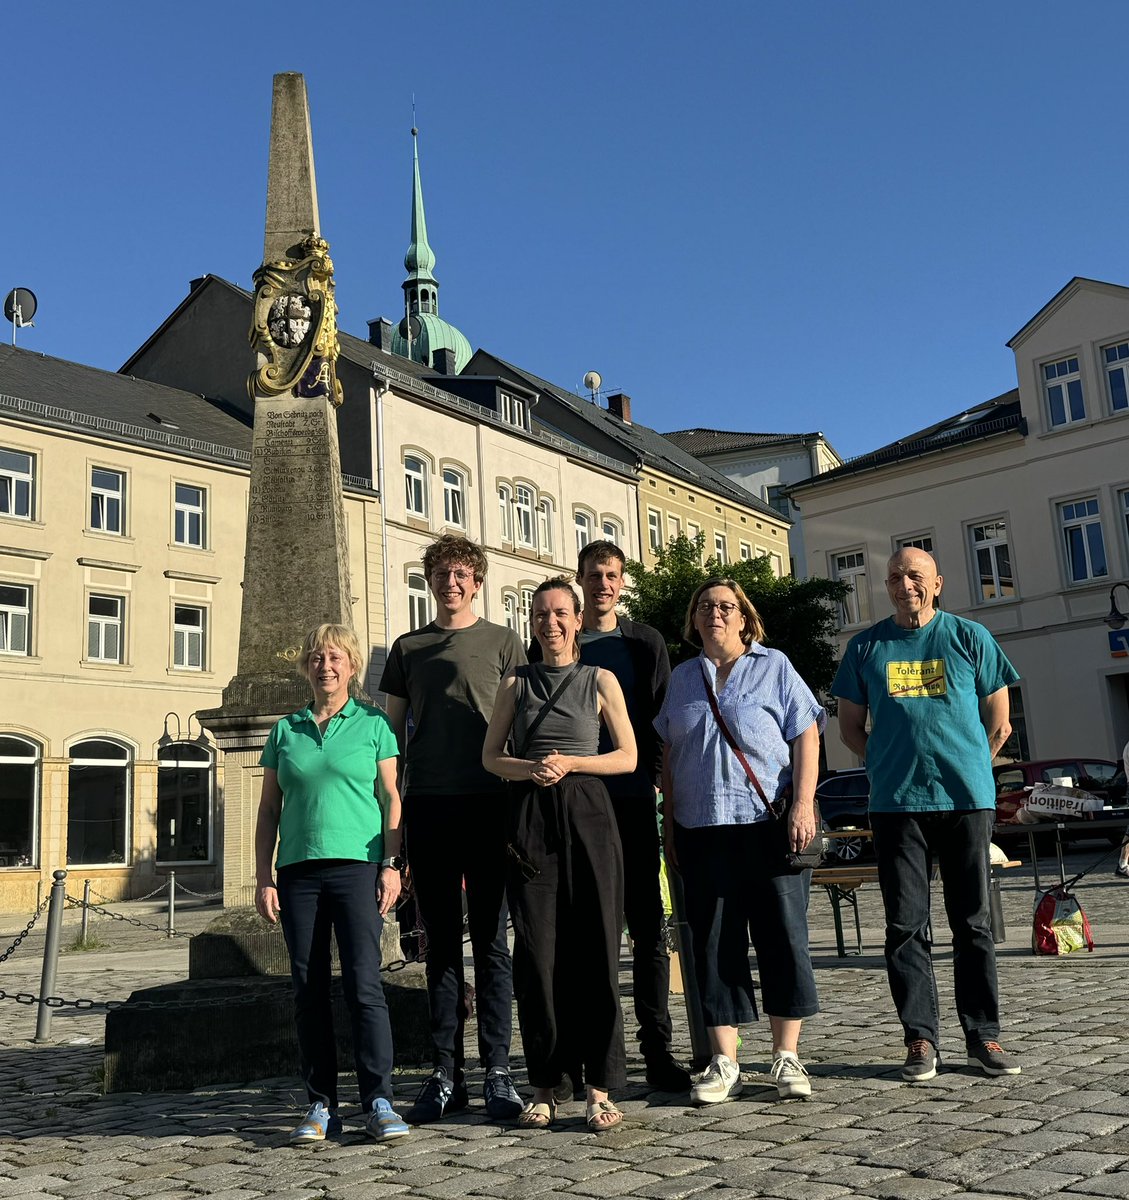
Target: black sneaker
(502, 1101)
(665, 1075)
(921, 1061)
(438, 1095)
(991, 1059)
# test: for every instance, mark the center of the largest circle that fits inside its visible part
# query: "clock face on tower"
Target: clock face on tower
(415, 328)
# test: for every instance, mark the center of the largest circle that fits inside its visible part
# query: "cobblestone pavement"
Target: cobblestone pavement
(1061, 1128)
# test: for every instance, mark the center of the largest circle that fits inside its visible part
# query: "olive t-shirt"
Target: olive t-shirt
(450, 678)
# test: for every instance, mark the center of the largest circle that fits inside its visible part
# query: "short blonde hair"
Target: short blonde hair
(340, 636)
(753, 630)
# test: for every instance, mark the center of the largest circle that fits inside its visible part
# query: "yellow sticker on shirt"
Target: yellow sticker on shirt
(908, 679)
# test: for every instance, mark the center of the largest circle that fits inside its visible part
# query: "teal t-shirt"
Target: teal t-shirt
(928, 750)
(330, 803)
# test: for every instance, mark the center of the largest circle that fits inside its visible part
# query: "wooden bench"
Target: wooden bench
(842, 884)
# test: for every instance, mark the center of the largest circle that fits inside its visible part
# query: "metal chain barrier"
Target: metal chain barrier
(130, 899)
(30, 925)
(199, 895)
(134, 1005)
(105, 912)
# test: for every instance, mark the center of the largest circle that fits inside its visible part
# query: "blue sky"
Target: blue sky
(774, 218)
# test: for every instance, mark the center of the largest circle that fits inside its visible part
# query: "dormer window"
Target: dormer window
(514, 410)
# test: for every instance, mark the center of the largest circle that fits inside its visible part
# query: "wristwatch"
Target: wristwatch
(396, 862)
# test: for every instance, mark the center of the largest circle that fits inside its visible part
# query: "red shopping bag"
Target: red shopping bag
(1061, 925)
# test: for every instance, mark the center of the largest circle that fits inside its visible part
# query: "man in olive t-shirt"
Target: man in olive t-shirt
(448, 673)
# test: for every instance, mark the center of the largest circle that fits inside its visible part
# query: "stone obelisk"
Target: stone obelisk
(296, 567)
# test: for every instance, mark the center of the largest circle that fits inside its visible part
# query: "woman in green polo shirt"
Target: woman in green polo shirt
(330, 799)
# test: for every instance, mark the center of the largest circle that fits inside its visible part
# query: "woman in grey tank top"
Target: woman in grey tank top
(565, 881)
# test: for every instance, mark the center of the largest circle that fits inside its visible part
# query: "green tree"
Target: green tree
(799, 615)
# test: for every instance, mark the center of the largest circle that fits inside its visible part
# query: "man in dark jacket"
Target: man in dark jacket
(636, 654)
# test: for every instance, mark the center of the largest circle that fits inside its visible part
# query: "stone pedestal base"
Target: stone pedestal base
(212, 1031)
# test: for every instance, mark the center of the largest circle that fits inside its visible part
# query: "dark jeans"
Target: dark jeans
(736, 884)
(452, 839)
(906, 846)
(315, 897)
(636, 817)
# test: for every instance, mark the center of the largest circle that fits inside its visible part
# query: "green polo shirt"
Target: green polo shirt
(330, 805)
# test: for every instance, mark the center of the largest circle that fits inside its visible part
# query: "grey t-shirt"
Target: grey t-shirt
(571, 726)
(450, 678)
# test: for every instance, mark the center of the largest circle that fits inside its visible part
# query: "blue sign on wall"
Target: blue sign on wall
(1119, 643)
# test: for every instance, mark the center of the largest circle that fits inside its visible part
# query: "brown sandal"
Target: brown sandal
(599, 1109)
(537, 1116)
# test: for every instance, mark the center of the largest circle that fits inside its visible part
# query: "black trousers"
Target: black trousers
(452, 841)
(315, 897)
(566, 895)
(637, 820)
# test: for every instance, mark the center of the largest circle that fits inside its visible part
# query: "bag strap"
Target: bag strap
(733, 741)
(547, 707)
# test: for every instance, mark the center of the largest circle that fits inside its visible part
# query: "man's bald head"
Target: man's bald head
(913, 585)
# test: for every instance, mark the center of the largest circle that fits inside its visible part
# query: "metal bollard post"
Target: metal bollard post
(700, 1049)
(172, 904)
(50, 956)
(85, 912)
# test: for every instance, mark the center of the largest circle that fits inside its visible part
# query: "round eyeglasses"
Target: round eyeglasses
(726, 607)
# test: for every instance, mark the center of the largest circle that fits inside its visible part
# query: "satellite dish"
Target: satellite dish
(19, 306)
(592, 382)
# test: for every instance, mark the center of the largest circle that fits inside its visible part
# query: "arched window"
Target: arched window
(19, 801)
(525, 622)
(98, 803)
(419, 601)
(509, 603)
(505, 512)
(454, 498)
(184, 803)
(545, 526)
(612, 530)
(415, 486)
(523, 515)
(583, 524)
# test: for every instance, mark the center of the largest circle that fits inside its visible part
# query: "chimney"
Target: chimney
(443, 361)
(619, 405)
(380, 333)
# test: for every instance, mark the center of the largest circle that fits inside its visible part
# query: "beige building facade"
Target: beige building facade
(1024, 502)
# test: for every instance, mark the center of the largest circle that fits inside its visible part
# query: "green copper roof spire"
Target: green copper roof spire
(420, 257)
(422, 332)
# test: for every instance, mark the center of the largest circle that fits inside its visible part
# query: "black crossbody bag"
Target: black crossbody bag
(812, 854)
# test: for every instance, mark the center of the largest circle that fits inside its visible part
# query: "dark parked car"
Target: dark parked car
(843, 800)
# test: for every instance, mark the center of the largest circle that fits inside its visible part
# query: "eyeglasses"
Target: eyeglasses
(726, 607)
(461, 574)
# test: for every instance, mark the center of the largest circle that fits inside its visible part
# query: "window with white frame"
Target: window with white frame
(515, 410)
(612, 530)
(15, 618)
(505, 512)
(776, 561)
(745, 551)
(693, 531)
(583, 525)
(1083, 542)
(98, 803)
(509, 607)
(523, 515)
(849, 567)
(1117, 375)
(919, 541)
(19, 801)
(107, 500)
(454, 498)
(991, 559)
(419, 601)
(1062, 385)
(720, 549)
(1124, 498)
(188, 633)
(654, 529)
(673, 526)
(415, 487)
(17, 484)
(188, 516)
(545, 525)
(525, 616)
(104, 620)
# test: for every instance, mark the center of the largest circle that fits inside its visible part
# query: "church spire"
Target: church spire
(421, 288)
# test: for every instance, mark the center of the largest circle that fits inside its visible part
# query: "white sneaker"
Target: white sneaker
(720, 1081)
(792, 1080)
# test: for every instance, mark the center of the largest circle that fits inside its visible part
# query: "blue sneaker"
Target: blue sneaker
(318, 1124)
(384, 1123)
